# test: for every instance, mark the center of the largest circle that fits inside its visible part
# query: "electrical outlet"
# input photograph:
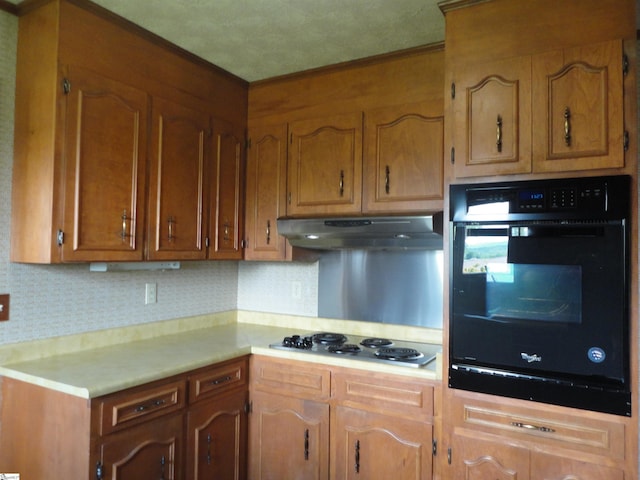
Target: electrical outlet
(150, 293)
(4, 307)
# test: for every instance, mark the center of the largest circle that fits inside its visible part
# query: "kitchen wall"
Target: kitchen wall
(48, 301)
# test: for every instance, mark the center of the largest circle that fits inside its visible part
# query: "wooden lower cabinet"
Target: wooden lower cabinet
(216, 439)
(371, 445)
(147, 452)
(289, 438)
(479, 459)
(504, 439)
(189, 426)
(366, 425)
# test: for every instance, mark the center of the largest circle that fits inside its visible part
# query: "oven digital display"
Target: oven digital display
(531, 199)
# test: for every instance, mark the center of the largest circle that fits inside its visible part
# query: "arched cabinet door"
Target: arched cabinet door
(325, 165)
(105, 169)
(289, 436)
(266, 193)
(578, 108)
(492, 118)
(180, 145)
(403, 152)
(474, 459)
(373, 445)
(151, 450)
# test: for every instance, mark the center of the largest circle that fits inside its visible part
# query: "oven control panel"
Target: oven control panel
(584, 197)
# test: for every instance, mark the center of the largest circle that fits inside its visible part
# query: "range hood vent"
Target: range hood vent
(422, 232)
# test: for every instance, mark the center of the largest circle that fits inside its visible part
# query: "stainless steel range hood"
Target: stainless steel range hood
(422, 232)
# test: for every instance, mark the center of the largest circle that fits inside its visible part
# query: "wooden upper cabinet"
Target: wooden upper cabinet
(492, 118)
(105, 162)
(180, 142)
(96, 121)
(578, 108)
(325, 166)
(266, 193)
(558, 111)
(226, 202)
(403, 159)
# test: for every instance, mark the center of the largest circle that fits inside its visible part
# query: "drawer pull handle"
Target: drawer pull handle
(156, 403)
(218, 381)
(528, 426)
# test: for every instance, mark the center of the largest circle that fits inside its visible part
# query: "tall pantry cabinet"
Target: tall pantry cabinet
(126, 147)
(539, 90)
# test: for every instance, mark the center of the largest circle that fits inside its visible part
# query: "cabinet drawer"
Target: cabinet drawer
(292, 378)
(134, 406)
(411, 397)
(554, 430)
(218, 379)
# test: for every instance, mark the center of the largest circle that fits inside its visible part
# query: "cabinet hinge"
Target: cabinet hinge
(289, 198)
(434, 447)
(99, 471)
(625, 140)
(248, 407)
(247, 144)
(453, 90)
(60, 238)
(291, 138)
(206, 242)
(453, 155)
(449, 455)
(625, 64)
(66, 86)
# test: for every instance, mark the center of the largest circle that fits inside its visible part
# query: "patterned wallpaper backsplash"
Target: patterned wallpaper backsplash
(49, 301)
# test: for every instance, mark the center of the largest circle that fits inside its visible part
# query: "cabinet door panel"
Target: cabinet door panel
(266, 193)
(227, 221)
(549, 467)
(492, 113)
(325, 165)
(404, 159)
(474, 459)
(105, 154)
(176, 187)
(579, 108)
(217, 439)
(369, 445)
(289, 438)
(146, 452)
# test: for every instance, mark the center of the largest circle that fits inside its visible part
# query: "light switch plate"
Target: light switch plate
(4, 307)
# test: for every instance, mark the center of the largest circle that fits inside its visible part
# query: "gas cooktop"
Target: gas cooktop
(361, 348)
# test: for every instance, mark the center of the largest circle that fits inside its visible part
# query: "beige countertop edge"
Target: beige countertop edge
(92, 364)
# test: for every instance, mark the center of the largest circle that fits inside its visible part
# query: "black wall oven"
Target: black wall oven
(539, 291)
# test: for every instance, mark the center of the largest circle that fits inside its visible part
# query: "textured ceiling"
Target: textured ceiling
(257, 39)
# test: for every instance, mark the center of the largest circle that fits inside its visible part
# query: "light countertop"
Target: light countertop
(97, 363)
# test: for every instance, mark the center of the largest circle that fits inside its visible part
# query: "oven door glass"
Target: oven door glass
(540, 297)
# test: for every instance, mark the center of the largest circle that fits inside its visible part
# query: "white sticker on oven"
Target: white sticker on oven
(596, 355)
